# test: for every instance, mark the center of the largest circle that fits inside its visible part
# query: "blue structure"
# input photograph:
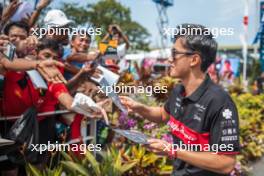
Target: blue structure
(163, 22)
(260, 36)
(261, 47)
(165, 3)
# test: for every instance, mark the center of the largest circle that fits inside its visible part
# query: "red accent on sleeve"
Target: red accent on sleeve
(57, 89)
(228, 153)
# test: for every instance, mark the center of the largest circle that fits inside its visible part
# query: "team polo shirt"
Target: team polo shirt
(207, 120)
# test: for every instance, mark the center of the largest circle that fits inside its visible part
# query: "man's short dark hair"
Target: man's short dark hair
(198, 38)
(48, 44)
(19, 24)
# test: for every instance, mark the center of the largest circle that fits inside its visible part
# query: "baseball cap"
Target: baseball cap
(56, 18)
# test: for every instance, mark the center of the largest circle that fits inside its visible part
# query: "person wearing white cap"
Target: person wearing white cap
(56, 18)
(57, 21)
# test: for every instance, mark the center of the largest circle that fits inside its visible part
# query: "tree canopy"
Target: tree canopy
(106, 12)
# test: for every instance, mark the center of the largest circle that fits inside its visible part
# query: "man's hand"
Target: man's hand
(26, 19)
(102, 112)
(117, 28)
(218, 163)
(93, 55)
(43, 4)
(153, 114)
(114, 28)
(48, 69)
(130, 104)
(3, 41)
(158, 146)
(10, 10)
(4, 37)
(32, 41)
(88, 69)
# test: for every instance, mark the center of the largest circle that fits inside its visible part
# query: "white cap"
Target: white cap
(56, 18)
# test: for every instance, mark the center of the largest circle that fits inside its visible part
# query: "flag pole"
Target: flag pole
(245, 45)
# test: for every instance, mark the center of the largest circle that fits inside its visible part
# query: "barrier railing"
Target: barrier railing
(85, 137)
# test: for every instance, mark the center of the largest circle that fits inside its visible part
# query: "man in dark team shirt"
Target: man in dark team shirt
(202, 117)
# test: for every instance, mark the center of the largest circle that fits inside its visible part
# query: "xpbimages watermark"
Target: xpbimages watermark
(215, 31)
(50, 30)
(214, 148)
(126, 89)
(51, 147)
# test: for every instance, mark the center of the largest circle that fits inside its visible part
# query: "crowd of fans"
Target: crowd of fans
(64, 62)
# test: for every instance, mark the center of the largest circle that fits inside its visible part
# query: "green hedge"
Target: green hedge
(251, 116)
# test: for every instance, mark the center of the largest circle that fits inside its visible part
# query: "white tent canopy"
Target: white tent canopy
(154, 54)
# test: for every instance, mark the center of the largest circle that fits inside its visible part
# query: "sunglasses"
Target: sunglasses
(174, 52)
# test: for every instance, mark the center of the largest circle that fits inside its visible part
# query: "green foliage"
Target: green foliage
(167, 82)
(106, 12)
(135, 160)
(33, 171)
(251, 116)
(75, 168)
(148, 163)
(111, 163)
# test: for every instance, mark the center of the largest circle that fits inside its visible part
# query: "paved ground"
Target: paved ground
(258, 168)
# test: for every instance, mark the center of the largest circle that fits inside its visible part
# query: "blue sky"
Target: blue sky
(211, 13)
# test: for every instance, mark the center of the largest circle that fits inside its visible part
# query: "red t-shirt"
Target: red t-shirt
(20, 94)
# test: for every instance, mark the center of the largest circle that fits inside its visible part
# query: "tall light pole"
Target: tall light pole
(163, 22)
(245, 42)
(257, 26)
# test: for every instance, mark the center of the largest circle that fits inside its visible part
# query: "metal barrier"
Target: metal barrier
(85, 137)
(39, 114)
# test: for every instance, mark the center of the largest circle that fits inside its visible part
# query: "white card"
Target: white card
(4, 142)
(110, 76)
(37, 79)
(133, 135)
(84, 105)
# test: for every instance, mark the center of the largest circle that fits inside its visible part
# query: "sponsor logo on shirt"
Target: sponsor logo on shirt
(227, 114)
(229, 138)
(178, 128)
(200, 108)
